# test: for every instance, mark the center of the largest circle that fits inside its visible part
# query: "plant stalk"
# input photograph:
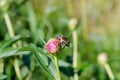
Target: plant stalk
(70, 7)
(57, 68)
(17, 70)
(9, 27)
(12, 35)
(109, 71)
(75, 54)
(84, 19)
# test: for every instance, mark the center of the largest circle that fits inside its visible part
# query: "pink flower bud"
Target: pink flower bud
(102, 58)
(53, 46)
(73, 23)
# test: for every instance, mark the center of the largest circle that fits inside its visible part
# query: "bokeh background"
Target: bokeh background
(98, 27)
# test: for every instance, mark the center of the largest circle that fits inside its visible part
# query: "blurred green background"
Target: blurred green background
(32, 21)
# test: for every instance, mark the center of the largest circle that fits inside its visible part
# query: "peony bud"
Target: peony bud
(73, 23)
(4, 5)
(53, 46)
(102, 58)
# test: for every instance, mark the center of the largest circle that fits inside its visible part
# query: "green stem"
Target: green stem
(75, 54)
(84, 19)
(12, 35)
(109, 71)
(17, 70)
(57, 68)
(9, 26)
(70, 7)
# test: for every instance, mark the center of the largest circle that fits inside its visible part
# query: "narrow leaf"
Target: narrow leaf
(11, 52)
(7, 43)
(2, 76)
(45, 62)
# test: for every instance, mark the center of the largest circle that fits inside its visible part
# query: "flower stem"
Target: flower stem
(57, 68)
(109, 71)
(17, 70)
(84, 19)
(12, 35)
(75, 54)
(9, 26)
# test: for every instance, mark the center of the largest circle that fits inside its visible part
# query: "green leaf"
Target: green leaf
(45, 62)
(2, 76)
(64, 63)
(7, 43)
(11, 52)
(32, 22)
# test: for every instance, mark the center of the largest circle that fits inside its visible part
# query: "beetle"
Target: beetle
(63, 40)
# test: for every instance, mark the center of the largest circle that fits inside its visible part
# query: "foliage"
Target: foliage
(34, 22)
